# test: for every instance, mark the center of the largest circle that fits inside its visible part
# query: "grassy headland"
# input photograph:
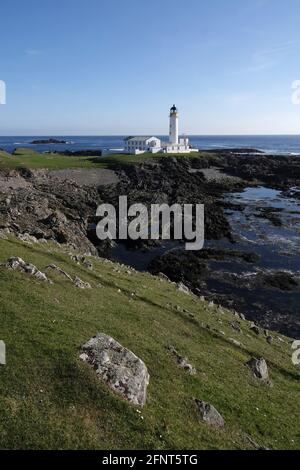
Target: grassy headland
(28, 158)
(49, 398)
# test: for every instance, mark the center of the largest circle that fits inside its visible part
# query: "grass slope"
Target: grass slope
(50, 399)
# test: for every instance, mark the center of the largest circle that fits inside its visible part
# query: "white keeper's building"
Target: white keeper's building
(141, 144)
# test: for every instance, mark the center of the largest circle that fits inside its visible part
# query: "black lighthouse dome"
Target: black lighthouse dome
(173, 109)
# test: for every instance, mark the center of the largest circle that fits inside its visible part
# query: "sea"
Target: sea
(276, 144)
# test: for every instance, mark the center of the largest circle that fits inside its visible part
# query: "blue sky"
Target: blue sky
(115, 67)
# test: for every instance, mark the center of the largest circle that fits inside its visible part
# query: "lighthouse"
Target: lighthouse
(150, 144)
(173, 125)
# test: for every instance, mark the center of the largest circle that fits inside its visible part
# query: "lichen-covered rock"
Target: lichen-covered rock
(15, 263)
(235, 342)
(80, 259)
(183, 288)
(19, 264)
(4, 233)
(81, 284)
(118, 367)
(209, 414)
(60, 271)
(41, 276)
(259, 368)
(26, 238)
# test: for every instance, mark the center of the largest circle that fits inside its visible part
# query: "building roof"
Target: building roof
(140, 138)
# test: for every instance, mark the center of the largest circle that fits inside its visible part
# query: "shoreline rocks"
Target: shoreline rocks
(39, 205)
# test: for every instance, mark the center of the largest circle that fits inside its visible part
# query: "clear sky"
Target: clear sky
(115, 67)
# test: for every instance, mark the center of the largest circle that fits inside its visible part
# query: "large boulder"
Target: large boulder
(259, 368)
(118, 367)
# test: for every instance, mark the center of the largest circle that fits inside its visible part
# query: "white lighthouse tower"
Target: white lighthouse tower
(174, 125)
(150, 144)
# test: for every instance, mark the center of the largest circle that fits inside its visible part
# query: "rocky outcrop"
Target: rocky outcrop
(183, 288)
(81, 284)
(19, 264)
(26, 238)
(45, 209)
(118, 367)
(259, 368)
(209, 414)
(79, 259)
(192, 268)
(60, 271)
(168, 180)
(274, 170)
(282, 280)
(254, 328)
(235, 325)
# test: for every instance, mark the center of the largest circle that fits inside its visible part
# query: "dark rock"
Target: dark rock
(281, 280)
(183, 288)
(81, 153)
(254, 328)
(48, 141)
(191, 268)
(46, 210)
(280, 172)
(223, 255)
(271, 214)
(236, 326)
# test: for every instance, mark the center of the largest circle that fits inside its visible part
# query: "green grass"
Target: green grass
(27, 158)
(50, 399)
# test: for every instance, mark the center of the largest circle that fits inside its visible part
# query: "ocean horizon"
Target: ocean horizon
(271, 144)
